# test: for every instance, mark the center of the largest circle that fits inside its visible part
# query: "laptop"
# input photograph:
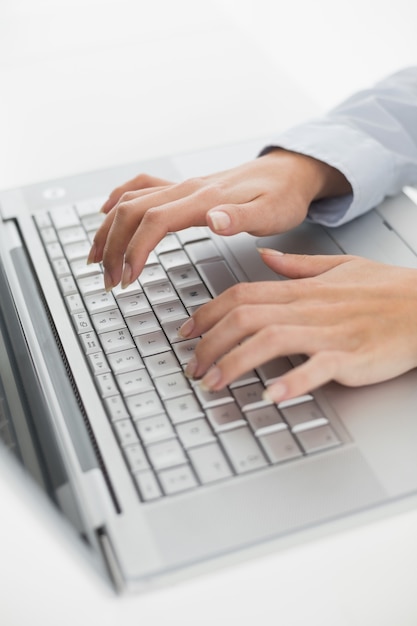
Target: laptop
(158, 479)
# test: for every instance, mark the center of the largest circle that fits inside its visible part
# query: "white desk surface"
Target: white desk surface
(87, 84)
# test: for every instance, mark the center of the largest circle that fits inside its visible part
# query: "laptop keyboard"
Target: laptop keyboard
(174, 436)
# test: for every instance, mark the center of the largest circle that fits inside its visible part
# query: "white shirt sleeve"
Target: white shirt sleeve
(371, 138)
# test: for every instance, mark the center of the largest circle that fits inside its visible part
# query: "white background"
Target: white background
(90, 83)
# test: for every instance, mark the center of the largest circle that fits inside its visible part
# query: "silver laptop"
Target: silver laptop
(158, 478)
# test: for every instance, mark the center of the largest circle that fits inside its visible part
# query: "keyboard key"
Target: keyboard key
(125, 361)
(160, 292)
(317, 439)
(280, 446)
(265, 419)
(177, 479)
(172, 327)
(170, 310)
(195, 433)
(174, 259)
(162, 364)
(142, 324)
(134, 382)
(98, 363)
(152, 274)
(210, 399)
(210, 463)
(225, 417)
(194, 295)
(136, 457)
(172, 385)
(144, 405)
(116, 340)
(250, 396)
(133, 304)
(304, 416)
(181, 277)
(64, 216)
(167, 453)
(116, 408)
(99, 302)
(153, 343)
(183, 408)
(185, 350)
(148, 485)
(242, 450)
(200, 251)
(108, 321)
(155, 428)
(273, 369)
(217, 276)
(125, 432)
(106, 385)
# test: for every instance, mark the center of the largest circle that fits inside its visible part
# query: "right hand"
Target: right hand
(268, 195)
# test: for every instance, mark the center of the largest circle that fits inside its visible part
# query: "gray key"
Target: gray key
(225, 417)
(194, 295)
(242, 450)
(200, 251)
(155, 428)
(217, 276)
(304, 416)
(116, 408)
(67, 285)
(170, 310)
(177, 479)
(181, 277)
(183, 408)
(54, 251)
(185, 350)
(148, 485)
(82, 322)
(162, 364)
(107, 385)
(116, 340)
(61, 268)
(131, 383)
(265, 419)
(64, 216)
(280, 446)
(153, 343)
(319, 438)
(133, 304)
(136, 457)
(98, 363)
(152, 274)
(125, 432)
(195, 433)
(99, 302)
(174, 259)
(142, 324)
(108, 321)
(172, 327)
(120, 292)
(71, 234)
(91, 284)
(144, 405)
(210, 463)
(172, 385)
(167, 453)
(90, 342)
(167, 244)
(250, 396)
(74, 303)
(78, 250)
(273, 369)
(125, 361)
(210, 399)
(160, 292)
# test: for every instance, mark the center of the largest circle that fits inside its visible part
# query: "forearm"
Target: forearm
(371, 138)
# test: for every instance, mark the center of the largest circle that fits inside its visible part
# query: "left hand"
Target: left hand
(355, 319)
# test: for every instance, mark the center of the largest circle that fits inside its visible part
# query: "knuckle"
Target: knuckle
(240, 317)
(143, 180)
(237, 294)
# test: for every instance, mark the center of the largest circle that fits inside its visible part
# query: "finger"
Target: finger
(253, 217)
(269, 342)
(301, 265)
(318, 370)
(142, 181)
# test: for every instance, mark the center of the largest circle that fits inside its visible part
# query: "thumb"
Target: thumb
(250, 217)
(300, 265)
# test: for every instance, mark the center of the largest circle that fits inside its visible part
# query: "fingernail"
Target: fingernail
(108, 281)
(219, 220)
(126, 276)
(187, 328)
(275, 393)
(191, 368)
(92, 255)
(211, 379)
(270, 251)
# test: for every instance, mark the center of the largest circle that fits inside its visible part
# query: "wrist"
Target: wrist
(316, 178)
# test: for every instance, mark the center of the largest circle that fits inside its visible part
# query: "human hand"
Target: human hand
(354, 318)
(268, 195)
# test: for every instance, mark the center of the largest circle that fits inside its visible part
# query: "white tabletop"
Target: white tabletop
(87, 84)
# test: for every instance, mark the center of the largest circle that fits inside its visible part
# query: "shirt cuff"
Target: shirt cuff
(366, 164)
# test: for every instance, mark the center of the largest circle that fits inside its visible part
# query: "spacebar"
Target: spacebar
(217, 276)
